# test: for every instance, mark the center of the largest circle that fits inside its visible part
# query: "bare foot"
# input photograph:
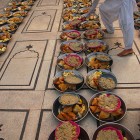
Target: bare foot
(125, 52)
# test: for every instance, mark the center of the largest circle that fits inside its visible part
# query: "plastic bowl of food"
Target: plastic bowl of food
(107, 81)
(69, 99)
(120, 131)
(70, 61)
(67, 130)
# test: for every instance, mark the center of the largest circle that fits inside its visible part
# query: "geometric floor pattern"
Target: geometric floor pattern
(26, 91)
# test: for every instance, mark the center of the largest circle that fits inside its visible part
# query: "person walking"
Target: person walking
(122, 10)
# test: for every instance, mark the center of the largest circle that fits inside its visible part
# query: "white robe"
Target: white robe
(122, 10)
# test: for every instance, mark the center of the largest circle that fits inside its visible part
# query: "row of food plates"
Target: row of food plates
(10, 19)
(71, 107)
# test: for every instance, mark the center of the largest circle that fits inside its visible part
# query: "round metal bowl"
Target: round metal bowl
(98, 70)
(57, 107)
(12, 3)
(108, 75)
(70, 93)
(84, 25)
(2, 45)
(93, 17)
(66, 26)
(62, 57)
(74, 16)
(96, 37)
(3, 20)
(29, 3)
(94, 55)
(126, 132)
(81, 10)
(87, 48)
(78, 86)
(20, 14)
(71, 51)
(25, 7)
(64, 35)
(136, 14)
(83, 135)
(70, 10)
(123, 106)
(11, 20)
(5, 34)
(6, 14)
(7, 28)
(70, 4)
(137, 23)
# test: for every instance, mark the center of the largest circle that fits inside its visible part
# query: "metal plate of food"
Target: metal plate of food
(6, 14)
(72, 46)
(86, 25)
(83, 10)
(11, 28)
(74, 112)
(83, 5)
(106, 130)
(24, 7)
(20, 13)
(93, 77)
(136, 14)
(69, 99)
(10, 8)
(98, 60)
(16, 20)
(70, 61)
(93, 34)
(95, 46)
(115, 105)
(70, 4)
(71, 25)
(5, 37)
(2, 48)
(68, 81)
(14, 3)
(71, 17)
(70, 10)
(82, 136)
(137, 22)
(30, 3)
(93, 17)
(3, 21)
(67, 1)
(70, 35)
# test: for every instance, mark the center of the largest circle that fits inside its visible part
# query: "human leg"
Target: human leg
(127, 25)
(105, 19)
(109, 12)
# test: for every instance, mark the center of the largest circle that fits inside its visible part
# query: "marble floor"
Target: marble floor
(26, 91)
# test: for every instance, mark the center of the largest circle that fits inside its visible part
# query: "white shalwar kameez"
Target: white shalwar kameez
(122, 10)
